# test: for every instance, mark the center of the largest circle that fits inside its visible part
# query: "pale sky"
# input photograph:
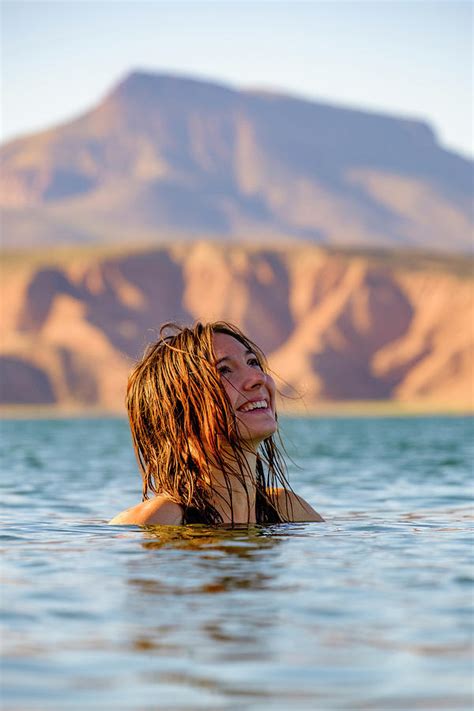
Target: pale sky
(404, 57)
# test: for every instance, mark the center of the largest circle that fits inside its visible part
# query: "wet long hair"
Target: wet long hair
(182, 424)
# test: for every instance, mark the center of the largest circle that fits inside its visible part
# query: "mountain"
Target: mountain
(337, 325)
(163, 157)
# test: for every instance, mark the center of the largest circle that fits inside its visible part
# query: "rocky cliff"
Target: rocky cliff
(163, 156)
(336, 326)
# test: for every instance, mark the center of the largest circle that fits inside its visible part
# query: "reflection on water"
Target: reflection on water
(241, 540)
(371, 610)
(219, 590)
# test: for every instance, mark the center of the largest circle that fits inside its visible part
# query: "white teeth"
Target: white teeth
(260, 404)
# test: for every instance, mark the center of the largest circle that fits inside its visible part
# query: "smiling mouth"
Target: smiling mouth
(254, 406)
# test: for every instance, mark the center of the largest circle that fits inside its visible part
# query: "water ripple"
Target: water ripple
(371, 610)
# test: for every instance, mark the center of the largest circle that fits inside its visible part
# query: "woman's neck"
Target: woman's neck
(234, 496)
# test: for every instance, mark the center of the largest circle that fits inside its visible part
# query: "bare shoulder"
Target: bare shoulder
(293, 507)
(159, 510)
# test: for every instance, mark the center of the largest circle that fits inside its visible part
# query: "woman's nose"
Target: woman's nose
(254, 377)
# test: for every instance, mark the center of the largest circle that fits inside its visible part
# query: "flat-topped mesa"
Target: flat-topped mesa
(138, 86)
(162, 154)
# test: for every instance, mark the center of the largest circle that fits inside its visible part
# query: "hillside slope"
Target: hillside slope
(337, 326)
(163, 156)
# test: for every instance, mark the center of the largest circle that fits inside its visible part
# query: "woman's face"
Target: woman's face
(251, 392)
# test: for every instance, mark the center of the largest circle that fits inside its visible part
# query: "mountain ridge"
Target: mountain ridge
(160, 153)
(335, 326)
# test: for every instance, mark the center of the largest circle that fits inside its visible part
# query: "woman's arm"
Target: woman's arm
(159, 510)
(295, 508)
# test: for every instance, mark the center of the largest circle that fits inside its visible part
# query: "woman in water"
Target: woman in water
(201, 405)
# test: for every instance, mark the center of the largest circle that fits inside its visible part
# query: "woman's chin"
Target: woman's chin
(257, 431)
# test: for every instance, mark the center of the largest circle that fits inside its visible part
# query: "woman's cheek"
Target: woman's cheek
(271, 386)
(230, 391)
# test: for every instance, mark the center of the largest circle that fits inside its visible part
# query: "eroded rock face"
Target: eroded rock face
(24, 383)
(334, 326)
(162, 154)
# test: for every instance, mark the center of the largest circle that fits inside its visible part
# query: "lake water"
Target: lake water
(371, 610)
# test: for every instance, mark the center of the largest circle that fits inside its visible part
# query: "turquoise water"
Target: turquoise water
(370, 610)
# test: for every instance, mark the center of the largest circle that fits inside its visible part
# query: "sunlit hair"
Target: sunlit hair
(182, 424)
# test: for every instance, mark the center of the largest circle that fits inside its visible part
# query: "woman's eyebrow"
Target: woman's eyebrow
(221, 359)
(247, 353)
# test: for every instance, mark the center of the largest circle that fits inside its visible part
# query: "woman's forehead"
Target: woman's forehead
(227, 346)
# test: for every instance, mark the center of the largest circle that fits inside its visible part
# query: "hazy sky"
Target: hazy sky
(410, 57)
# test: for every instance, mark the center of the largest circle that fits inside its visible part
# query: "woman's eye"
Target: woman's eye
(254, 362)
(223, 370)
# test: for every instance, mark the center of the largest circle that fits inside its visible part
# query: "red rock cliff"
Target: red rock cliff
(336, 326)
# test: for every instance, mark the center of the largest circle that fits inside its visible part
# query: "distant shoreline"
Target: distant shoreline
(380, 408)
(348, 408)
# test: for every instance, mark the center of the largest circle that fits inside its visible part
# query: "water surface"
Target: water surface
(370, 610)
